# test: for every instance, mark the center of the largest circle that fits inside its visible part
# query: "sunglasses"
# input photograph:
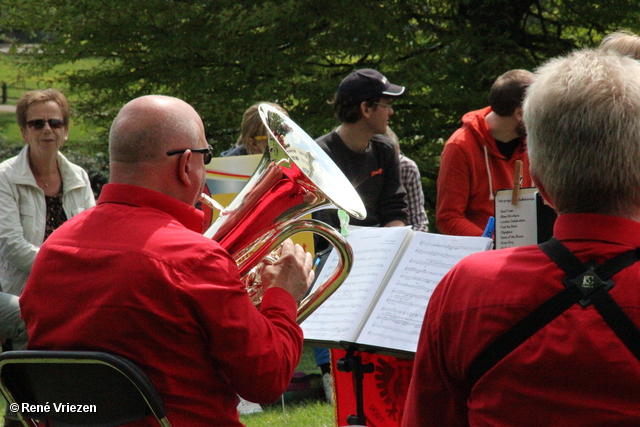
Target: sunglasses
(206, 152)
(39, 124)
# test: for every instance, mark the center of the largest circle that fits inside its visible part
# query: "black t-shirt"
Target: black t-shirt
(508, 148)
(375, 175)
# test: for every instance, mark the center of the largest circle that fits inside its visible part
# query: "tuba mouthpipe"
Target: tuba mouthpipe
(208, 201)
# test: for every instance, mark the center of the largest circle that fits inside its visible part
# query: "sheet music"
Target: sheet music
(340, 316)
(396, 320)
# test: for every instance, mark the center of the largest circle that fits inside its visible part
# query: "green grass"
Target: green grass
(303, 414)
(9, 129)
(307, 362)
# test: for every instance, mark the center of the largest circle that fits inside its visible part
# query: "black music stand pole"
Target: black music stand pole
(353, 364)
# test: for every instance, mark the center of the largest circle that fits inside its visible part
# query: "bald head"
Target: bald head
(149, 126)
(141, 135)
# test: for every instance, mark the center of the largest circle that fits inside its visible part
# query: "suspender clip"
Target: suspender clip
(588, 283)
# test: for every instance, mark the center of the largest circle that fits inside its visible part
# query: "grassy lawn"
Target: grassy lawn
(9, 130)
(302, 414)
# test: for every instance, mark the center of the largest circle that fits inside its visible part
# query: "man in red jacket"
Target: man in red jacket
(480, 158)
(135, 276)
(547, 335)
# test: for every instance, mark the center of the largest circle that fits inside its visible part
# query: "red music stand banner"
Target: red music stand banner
(384, 390)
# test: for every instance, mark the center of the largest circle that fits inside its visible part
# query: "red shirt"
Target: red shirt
(573, 372)
(134, 276)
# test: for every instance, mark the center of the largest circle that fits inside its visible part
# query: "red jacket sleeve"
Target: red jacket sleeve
(453, 189)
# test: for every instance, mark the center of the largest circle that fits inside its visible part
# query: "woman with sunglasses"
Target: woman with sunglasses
(39, 188)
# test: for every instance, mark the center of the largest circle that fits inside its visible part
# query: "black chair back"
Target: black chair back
(78, 388)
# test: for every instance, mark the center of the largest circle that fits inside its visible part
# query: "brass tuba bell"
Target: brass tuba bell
(294, 177)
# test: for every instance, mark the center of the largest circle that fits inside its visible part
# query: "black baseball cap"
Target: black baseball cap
(367, 84)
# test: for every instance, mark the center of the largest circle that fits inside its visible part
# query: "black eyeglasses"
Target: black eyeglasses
(206, 152)
(39, 123)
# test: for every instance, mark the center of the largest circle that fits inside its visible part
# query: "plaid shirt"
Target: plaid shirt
(410, 176)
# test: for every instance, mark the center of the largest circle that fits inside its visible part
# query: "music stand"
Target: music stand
(352, 363)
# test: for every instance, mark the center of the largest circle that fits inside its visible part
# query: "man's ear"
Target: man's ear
(518, 113)
(365, 109)
(542, 191)
(184, 168)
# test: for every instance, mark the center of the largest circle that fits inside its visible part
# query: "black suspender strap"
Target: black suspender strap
(584, 284)
(617, 320)
(521, 331)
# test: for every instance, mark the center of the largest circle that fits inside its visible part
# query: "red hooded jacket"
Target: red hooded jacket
(471, 171)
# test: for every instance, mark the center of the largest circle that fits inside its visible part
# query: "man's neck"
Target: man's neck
(502, 129)
(150, 175)
(355, 136)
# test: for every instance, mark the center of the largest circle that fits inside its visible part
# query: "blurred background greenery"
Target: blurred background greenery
(222, 56)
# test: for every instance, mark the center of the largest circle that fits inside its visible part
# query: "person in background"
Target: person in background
(155, 290)
(39, 188)
(520, 337)
(253, 134)
(412, 183)
(480, 158)
(363, 104)
(624, 42)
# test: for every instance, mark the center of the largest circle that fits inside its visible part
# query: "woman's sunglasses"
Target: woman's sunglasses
(39, 124)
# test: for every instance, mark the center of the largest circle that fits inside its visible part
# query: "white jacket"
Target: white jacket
(23, 214)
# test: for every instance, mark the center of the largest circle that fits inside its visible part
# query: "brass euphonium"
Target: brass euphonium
(294, 177)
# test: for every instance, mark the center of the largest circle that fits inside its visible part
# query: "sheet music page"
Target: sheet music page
(397, 318)
(341, 315)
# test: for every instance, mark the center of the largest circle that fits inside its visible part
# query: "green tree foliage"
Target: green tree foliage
(221, 56)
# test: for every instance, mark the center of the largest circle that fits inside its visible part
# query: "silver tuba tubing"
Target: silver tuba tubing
(294, 177)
